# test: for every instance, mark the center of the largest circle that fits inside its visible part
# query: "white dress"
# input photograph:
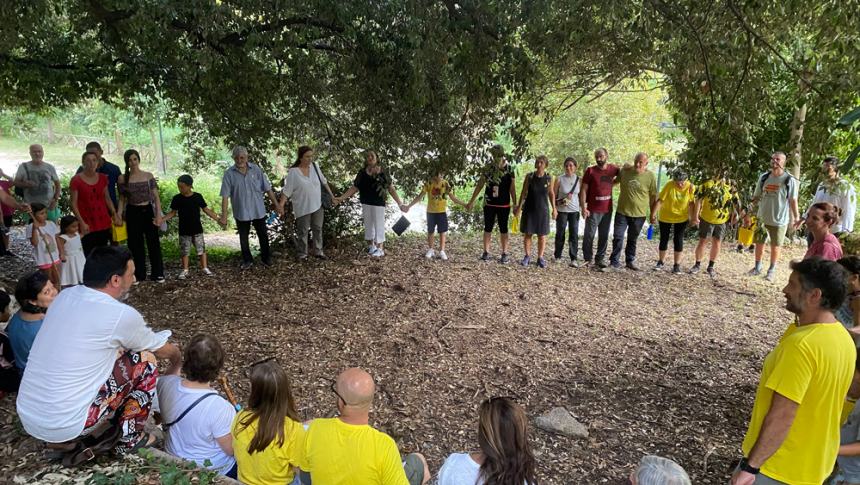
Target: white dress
(73, 269)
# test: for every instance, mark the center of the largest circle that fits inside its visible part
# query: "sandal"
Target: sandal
(148, 440)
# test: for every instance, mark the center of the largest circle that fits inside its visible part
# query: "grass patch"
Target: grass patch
(217, 254)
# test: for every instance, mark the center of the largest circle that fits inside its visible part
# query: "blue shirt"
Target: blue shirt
(244, 191)
(22, 333)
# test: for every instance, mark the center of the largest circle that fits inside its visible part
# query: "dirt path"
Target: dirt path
(651, 362)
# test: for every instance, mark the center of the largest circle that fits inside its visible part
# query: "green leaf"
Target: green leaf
(851, 160)
(850, 118)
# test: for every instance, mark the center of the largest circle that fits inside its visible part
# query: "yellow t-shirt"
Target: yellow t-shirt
(813, 366)
(274, 465)
(716, 201)
(337, 453)
(675, 202)
(437, 196)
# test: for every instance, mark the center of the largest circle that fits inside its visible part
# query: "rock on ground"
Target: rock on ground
(559, 420)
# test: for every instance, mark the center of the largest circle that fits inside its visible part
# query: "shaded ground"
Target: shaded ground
(650, 362)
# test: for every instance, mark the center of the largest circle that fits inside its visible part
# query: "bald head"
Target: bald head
(37, 153)
(356, 387)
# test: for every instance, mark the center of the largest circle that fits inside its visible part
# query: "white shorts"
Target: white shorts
(374, 222)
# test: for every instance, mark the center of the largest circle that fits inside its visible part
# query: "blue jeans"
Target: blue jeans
(596, 223)
(633, 227)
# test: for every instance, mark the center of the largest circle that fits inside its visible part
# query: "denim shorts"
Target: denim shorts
(437, 222)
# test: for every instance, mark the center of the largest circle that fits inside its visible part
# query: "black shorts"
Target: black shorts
(437, 222)
(492, 214)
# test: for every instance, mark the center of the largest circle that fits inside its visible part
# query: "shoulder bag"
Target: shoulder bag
(325, 197)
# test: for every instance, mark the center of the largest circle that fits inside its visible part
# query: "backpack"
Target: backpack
(764, 177)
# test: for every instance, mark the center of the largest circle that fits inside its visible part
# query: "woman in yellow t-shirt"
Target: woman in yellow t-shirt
(675, 205)
(268, 438)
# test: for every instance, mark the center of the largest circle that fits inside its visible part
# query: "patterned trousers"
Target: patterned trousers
(125, 398)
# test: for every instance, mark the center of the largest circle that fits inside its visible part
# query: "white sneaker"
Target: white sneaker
(443, 256)
(430, 254)
(208, 272)
(371, 249)
(183, 274)
(377, 253)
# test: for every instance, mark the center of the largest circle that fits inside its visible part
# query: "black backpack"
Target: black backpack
(764, 177)
(19, 191)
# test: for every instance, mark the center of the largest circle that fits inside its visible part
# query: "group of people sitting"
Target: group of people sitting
(107, 384)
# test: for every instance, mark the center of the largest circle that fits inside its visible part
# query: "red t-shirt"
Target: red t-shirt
(8, 210)
(599, 196)
(91, 202)
(829, 248)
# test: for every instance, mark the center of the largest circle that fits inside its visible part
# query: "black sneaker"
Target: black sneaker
(504, 259)
(676, 269)
(246, 265)
(711, 272)
(695, 269)
(485, 256)
(600, 264)
(658, 266)
(632, 266)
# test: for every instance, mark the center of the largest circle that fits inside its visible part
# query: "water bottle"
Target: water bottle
(650, 231)
(273, 216)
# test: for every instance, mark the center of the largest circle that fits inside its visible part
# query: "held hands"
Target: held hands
(555, 213)
(517, 210)
(585, 213)
(653, 219)
(404, 208)
(797, 224)
(117, 220)
(742, 478)
(84, 227)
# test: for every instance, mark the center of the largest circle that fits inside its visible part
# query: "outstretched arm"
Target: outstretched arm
(477, 191)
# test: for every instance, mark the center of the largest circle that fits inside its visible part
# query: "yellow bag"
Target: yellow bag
(745, 235)
(119, 233)
(515, 224)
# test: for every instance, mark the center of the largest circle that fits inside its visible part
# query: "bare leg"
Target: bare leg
(503, 238)
(541, 245)
(774, 254)
(759, 251)
(185, 262)
(430, 240)
(700, 249)
(678, 257)
(527, 244)
(715, 249)
(204, 261)
(443, 236)
(487, 237)
(661, 255)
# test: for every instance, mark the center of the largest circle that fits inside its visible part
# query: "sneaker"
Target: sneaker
(575, 264)
(246, 265)
(610, 268)
(184, 273)
(632, 266)
(371, 249)
(676, 269)
(443, 256)
(754, 272)
(541, 263)
(695, 269)
(320, 256)
(658, 266)
(485, 256)
(711, 272)
(430, 254)
(377, 252)
(159, 279)
(771, 274)
(600, 264)
(205, 271)
(504, 259)
(526, 260)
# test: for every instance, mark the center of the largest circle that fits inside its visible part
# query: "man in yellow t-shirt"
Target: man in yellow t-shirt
(346, 450)
(793, 434)
(674, 205)
(715, 204)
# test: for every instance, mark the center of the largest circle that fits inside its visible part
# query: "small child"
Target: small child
(71, 252)
(438, 192)
(188, 205)
(43, 236)
(10, 378)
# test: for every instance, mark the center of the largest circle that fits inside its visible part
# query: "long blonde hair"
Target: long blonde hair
(270, 404)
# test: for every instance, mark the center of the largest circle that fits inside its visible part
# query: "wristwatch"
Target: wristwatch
(746, 467)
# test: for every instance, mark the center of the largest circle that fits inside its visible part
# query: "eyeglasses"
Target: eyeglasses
(334, 390)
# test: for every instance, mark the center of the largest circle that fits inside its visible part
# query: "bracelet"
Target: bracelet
(745, 466)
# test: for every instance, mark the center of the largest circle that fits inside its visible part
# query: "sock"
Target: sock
(698, 263)
(710, 264)
(758, 265)
(771, 267)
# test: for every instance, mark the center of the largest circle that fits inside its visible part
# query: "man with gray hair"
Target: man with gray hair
(656, 470)
(776, 196)
(39, 182)
(638, 198)
(243, 183)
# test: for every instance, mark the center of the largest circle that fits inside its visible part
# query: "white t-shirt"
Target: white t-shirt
(459, 469)
(193, 437)
(45, 252)
(73, 356)
(304, 192)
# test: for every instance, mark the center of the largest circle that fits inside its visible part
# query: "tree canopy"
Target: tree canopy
(428, 83)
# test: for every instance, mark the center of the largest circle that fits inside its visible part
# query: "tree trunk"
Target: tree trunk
(50, 128)
(796, 140)
(118, 137)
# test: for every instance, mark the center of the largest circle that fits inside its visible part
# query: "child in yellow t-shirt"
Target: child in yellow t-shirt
(268, 439)
(438, 192)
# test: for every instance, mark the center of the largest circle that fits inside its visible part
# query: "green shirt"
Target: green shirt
(637, 192)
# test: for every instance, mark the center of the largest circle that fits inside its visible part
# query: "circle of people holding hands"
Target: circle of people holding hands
(98, 397)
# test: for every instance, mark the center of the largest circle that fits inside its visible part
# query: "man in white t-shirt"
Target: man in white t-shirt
(91, 360)
(197, 420)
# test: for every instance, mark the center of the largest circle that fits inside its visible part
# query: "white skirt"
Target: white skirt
(72, 272)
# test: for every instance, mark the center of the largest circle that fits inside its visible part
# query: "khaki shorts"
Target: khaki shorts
(185, 243)
(776, 235)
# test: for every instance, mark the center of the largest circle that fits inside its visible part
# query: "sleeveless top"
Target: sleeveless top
(537, 197)
(138, 193)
